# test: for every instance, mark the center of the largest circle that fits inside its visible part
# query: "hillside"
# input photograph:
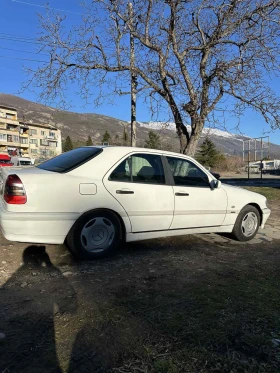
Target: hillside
(80, 126)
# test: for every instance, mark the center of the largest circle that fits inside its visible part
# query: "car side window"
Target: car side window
(186, 173)
(140, 168)
(122, 172)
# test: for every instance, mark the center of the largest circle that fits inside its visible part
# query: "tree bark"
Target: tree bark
(133, 109)
(181, 129)
(197, 125)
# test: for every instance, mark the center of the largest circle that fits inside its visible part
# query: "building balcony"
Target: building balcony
(52, 138)
(23, 125)
(13, 143)
(9, 121)
(44, 143)
(13, 129)
(23, 145)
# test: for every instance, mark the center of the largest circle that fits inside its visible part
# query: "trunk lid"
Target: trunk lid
(32, 178)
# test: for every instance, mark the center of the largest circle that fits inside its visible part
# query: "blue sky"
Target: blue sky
(19, 19)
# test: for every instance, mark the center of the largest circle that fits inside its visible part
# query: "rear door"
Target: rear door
(138, 183)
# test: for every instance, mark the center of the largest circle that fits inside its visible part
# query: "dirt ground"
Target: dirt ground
(185, 304)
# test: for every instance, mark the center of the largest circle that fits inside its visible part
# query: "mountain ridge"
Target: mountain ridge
(95, 125)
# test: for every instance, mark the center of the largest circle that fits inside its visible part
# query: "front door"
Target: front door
(138, 183)
(196, 204)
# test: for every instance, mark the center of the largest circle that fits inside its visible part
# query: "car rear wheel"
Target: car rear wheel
(95, 235)
(247, 224)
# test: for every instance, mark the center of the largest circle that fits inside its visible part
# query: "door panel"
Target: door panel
(138, 184)
(202, 207)
(196, 205)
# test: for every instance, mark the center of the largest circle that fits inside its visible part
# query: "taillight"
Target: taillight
(14, 192)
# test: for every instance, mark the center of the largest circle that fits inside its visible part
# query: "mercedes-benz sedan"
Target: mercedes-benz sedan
(95, 197)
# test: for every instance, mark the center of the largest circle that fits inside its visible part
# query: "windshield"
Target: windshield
(70, 160)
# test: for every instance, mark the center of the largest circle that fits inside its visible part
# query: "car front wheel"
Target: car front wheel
(247, 224)
(96, 234)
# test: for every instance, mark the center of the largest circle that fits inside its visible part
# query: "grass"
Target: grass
(272, 194)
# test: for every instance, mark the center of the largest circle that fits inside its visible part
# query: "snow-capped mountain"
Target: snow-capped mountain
(229, 143)
(81, 125)
(206, 131)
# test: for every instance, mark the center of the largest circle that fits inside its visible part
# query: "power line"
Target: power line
(23, 59)
(23, 40)
(43, 6)
(16, 36)
(18, 50)
(20, 40)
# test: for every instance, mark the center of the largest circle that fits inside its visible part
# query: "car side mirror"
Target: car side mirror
(215, 184)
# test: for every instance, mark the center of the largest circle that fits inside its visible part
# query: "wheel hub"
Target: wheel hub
(249, 224)
(97, 234)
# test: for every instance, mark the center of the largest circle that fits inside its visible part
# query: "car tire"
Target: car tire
(95, 234)
(247, 224)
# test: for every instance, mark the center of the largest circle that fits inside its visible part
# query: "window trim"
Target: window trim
(172, 178)
(133, 182)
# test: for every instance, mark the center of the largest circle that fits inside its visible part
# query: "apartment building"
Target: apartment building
(34, 140)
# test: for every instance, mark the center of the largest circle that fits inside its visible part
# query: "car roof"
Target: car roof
(5, 157)
(129, 149)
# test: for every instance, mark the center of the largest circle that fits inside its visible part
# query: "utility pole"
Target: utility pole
(133, 77)
(248, 159)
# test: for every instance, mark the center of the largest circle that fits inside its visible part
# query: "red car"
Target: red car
(5, 160)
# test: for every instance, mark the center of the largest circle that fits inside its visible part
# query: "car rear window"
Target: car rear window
(4, 161)
(70, 160)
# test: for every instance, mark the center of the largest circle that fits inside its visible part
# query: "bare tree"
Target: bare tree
(191, 55)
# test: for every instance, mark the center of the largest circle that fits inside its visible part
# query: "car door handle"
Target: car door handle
(182, 194)
(124, 191)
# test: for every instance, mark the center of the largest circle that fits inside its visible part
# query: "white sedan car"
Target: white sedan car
(95, 197)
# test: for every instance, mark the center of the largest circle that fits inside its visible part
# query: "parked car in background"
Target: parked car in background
(21, 161)
(95, 197)
(5, 160)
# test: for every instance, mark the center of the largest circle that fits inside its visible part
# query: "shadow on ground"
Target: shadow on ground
(170, 305)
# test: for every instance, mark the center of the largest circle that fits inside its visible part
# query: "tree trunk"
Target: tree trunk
(197, 125)
(133, 110)
(181, 129)
(191, 147)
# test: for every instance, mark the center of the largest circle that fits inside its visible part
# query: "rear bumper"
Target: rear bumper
(47, 228)
(265, 215)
